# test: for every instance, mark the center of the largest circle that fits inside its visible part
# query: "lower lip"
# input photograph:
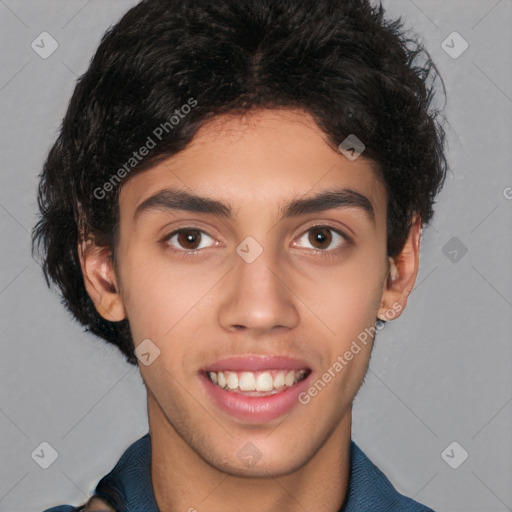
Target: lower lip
(255, 409)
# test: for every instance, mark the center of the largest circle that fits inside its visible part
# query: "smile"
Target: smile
(255, 389)
(258, 383)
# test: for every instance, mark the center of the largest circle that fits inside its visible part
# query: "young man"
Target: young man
(236, 200)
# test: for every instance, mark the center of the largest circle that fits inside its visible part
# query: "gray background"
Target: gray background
(440, 373)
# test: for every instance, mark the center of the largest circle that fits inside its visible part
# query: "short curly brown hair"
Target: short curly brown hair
(343, 62)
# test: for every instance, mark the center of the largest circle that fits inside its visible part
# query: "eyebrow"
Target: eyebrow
(330, 199)
(174, 199)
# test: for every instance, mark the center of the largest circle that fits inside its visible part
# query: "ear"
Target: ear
(100, 280)
(401, 275)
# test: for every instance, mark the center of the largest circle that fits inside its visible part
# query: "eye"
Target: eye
(322, 238)
(189, 239)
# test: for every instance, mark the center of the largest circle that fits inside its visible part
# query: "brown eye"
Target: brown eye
(189, 239)
(320, 238)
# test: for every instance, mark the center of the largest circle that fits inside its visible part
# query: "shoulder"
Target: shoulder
(131, 474)
(62, 508)
(95, 504)
(370, 489)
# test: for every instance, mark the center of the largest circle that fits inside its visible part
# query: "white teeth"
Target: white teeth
(264, 382)
(279, 380)
(256, 381)
(232, 380)
(247, 382)
(290, 378)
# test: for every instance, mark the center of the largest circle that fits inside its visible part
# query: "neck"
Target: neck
(182, 480)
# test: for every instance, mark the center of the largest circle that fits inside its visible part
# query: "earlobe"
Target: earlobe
(401, 276)
(101, 281)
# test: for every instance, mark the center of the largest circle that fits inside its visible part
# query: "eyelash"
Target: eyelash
(324, 253)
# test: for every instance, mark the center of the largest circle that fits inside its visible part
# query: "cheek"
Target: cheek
(347, 304)
(346, 297)
(158, 297)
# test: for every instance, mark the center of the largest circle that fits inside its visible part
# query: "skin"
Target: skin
(300, 298)
(96, 504)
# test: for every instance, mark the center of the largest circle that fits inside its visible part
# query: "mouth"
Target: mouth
(255, 389)
(261, 383)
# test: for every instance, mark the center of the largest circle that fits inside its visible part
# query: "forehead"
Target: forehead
(262, 158)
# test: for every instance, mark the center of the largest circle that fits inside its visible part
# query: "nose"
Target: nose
(257, 297)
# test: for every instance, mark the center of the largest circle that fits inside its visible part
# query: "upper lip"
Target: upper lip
(256, 363)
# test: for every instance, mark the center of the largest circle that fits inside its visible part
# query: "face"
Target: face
(252, 261)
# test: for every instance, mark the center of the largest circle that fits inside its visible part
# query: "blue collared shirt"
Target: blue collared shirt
(128, 486)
